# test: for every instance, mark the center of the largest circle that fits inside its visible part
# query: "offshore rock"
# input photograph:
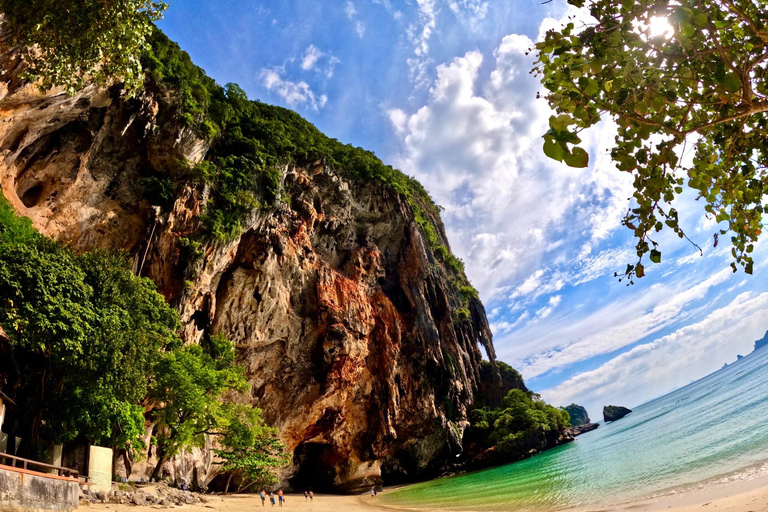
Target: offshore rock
(762, 342)
(347, 324)
(614, 412)
(584, 427)
(578, 415)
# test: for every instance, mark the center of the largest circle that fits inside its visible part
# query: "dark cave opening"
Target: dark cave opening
(315, 463)
(31, 196)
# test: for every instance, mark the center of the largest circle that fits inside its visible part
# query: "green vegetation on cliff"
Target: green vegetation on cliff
(93, 354)
(578, 415)
(116, 42)
(521, 423)
(251, 141)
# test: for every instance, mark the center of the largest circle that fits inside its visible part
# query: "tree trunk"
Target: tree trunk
(243, 489)
(127, 463)
(229, 479)
(161, 460)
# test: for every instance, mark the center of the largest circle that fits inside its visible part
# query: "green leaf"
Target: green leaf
(732, 82)
(639, 270)
(655, 256)
(561, 122)
(577, 158)
(554, 150)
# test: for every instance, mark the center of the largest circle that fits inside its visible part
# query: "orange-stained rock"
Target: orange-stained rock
(346, 323)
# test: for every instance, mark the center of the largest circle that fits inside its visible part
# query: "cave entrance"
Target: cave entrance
(31, 197)
(316, 467)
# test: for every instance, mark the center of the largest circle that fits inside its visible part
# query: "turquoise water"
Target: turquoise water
(711, 428)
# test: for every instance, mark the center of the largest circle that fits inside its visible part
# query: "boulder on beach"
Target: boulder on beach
(614, 412)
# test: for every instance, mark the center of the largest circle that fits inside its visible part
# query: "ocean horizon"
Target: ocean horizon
(712, 429)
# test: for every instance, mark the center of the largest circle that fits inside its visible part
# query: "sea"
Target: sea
(712, 430)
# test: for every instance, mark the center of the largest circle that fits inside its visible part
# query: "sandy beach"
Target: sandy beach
(738, 496)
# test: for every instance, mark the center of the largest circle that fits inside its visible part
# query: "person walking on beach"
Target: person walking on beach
(280, 497)
(272, 499)
(311, 495)
(306, 495)
(263, 498)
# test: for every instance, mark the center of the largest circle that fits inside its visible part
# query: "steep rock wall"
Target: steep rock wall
(347, 324)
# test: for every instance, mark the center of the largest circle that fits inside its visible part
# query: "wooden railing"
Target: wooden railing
(18, 462)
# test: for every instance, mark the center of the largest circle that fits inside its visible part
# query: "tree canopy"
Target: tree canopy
(84, 332)
(95, 355)
(522, 422)
(66, 42)
(678, 78)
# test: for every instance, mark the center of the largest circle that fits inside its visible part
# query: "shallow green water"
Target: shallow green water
(709, 429)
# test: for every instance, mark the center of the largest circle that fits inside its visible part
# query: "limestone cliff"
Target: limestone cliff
(614, 412)
(356, 342)
(578, 415)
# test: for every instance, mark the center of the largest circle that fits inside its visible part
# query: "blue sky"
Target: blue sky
(441, 89)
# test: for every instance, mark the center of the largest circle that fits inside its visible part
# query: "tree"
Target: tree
(94, 350)
(522, 422)
(67, 42)
(85, 337)
(674, 76)
(249, 449)
(188, 393)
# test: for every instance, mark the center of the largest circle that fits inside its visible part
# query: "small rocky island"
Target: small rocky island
(580, 421)
(614, 412)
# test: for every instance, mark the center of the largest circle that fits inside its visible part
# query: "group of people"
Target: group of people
(280, 497)
(308, 495)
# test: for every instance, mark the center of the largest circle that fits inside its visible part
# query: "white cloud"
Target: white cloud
(551, 305)
(294, 93)
(419, 34)
(476, 145)
(420, 31)
(351, 11)
(504, 326)
(398, 118)
(313, 57)
(360, 28)
(616, 325)
(655, 368)
(387, 4)
(469, 12)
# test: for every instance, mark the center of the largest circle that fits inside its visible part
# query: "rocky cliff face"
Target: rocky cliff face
(578, 415)
(614, 412)
(350, 329)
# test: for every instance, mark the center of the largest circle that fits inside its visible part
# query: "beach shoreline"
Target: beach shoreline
(736, 495)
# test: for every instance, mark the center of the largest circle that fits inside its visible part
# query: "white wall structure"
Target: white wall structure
(100, 468)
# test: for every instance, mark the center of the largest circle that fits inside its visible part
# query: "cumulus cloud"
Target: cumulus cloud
(532, 230)
(476, 145)
(295, 94)
(655, 368)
